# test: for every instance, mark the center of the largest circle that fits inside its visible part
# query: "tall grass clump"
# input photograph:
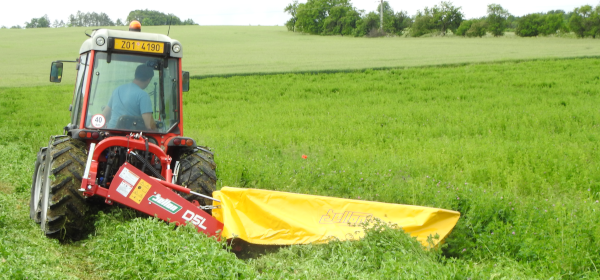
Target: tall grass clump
(386, 252)
(152, 249)
(24, 252)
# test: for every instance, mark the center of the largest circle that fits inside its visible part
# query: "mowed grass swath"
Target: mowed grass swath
(217, 50)
(512, 146)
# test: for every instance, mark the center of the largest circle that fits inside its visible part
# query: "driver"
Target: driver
(131, 100)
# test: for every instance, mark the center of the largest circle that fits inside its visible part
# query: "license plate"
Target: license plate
(139, 46)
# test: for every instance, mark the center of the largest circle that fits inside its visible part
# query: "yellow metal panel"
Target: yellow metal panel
(280, 218)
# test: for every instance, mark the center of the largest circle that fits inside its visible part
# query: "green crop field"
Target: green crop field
(510, 141)
(210, 50)
(513, 146)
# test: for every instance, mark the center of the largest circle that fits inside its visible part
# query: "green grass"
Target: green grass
(216, 50)
(513, 146)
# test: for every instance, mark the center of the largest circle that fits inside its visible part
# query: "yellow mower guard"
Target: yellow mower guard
(280, 218)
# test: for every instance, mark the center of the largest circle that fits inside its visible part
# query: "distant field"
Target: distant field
(210, 50)
(513, 146)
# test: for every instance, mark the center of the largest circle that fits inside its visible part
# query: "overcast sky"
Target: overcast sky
(238, 12)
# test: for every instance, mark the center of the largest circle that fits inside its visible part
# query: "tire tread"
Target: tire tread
(68, 212)
(198, 174)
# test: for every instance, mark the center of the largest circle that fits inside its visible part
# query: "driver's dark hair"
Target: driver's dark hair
(144, 73)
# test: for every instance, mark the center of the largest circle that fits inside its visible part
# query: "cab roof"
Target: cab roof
(90, 44)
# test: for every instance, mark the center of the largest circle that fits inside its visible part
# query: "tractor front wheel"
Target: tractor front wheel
(198, 174)
(56, 202)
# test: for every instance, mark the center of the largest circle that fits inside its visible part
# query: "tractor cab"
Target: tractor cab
(110, 99)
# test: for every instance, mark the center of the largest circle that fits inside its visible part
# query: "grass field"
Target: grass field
(513, 146)
(211, 50)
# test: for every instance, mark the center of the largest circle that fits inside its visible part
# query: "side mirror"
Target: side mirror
(56, 71)
(185, 82)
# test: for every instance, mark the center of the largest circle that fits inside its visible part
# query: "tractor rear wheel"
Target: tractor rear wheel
(198, 174)
(57, 204)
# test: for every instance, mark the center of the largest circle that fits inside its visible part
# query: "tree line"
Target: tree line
(339, 17)
(80, 19)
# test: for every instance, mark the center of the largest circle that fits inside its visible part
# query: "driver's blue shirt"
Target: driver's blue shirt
(128, 100)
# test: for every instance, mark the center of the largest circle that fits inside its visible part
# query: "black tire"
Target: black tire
(197, 172)
(62, 208)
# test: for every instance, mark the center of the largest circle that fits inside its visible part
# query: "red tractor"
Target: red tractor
(125, 139)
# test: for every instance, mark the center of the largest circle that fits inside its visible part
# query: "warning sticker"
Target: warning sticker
(129, 176)
(140, 191)
(124, 188)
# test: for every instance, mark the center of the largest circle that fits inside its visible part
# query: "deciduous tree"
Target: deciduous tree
(341, 20)
(585, 21)
(41, 22)
(366, 23)
(552, 22)
(292, 10)
(496, 19)
(447, 17)
(310, 16)
(472, 28)
(442, 17)
(540, 24)
(423, 24)
(528, 25)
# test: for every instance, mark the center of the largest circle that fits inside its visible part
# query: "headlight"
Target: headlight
(100, 41)
(176, 48)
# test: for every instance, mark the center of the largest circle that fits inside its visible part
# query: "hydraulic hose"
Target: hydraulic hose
(146, 163)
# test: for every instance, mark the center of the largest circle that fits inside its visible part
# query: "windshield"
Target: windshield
(133, 93)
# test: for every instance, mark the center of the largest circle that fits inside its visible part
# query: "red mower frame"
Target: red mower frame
(153, 196)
